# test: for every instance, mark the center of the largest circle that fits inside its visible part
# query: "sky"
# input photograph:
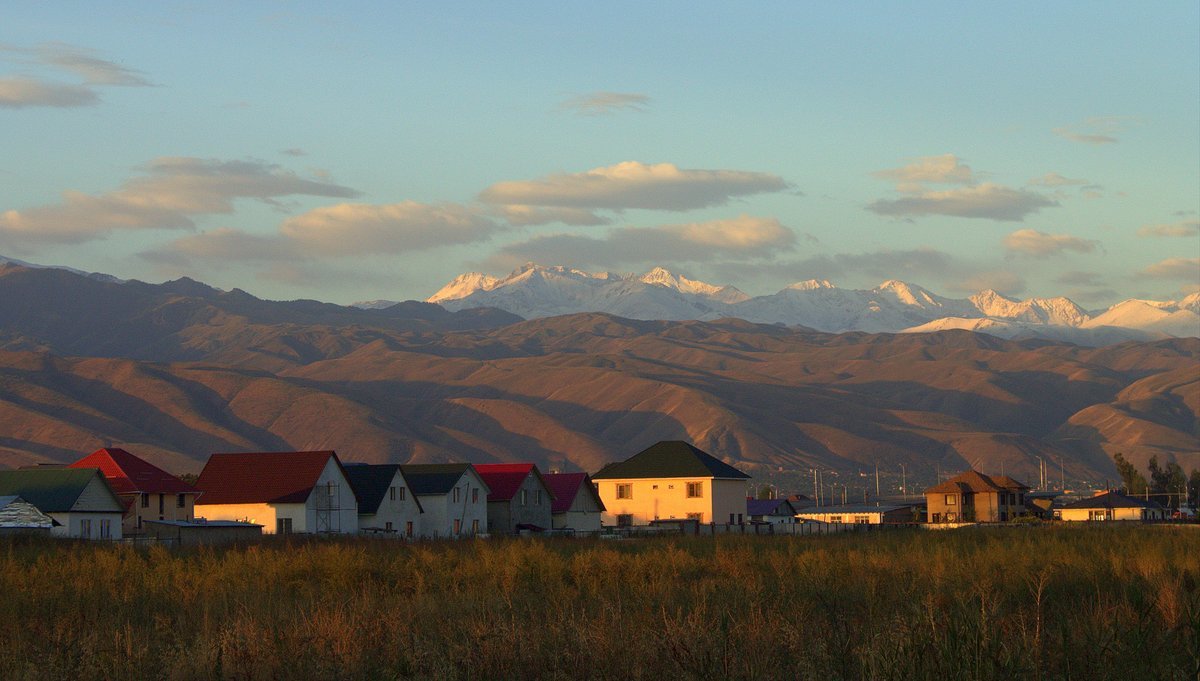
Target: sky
(361, 150)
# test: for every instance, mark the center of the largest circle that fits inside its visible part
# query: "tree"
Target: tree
(1194, 488)
(1176, 484)
(1135, 482)
(1158, 476)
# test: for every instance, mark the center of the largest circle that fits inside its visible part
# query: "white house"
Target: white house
(80, 500)
(453, 497)
(577, 504)
(285, 492)
(386, 503)
(1111, 506)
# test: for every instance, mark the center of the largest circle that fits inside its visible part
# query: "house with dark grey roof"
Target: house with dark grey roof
(79, 500)
(148, 492)
(671, 480)
(972, 496)
(773, 511)
(386, 503)
(519, 499)
(285, 492)
(453, 497)
(577, 505)
(1111, 506)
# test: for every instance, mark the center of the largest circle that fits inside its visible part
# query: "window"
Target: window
(145, 501)
(835, 518)
(950, 500)
(524, 497)
(160, 504)
(731, 517)
(283, 526)
(180, 501)
(408, 529)
(456, 493)
(537, 497)
(457, 526)
(139, 522)
(475, 496)
(1097, 515)
(474, 527)
(740, 521)
(388, 526)
(695, 490)
(400, 493)
(624, 520)
(105, 528)
(392, 493)
(862, 520)
(698, 517)
(624, 490)
(653, 486)
(85, 528)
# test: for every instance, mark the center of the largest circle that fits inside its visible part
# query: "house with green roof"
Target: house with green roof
(79, 500)
(671, 480)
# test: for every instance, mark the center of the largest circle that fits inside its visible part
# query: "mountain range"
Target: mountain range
(537, 291)
(178, 370)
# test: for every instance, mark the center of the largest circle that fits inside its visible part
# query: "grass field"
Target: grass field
(1003, 603)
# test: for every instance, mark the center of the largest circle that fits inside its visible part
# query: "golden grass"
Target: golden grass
(1003, 603)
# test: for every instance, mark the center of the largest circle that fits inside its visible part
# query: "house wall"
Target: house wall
(504, 516)
(1078, 514)
(399, 511)
(261, 514)
(666, 499)
(584, 514)
(342, 515)
(137, 515)
(471, 509)
(72, 524)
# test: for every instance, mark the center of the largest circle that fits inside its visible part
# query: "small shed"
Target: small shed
(771, 511)
(201, 531)
(18, 516)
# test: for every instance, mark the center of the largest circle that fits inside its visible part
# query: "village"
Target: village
(670, 487)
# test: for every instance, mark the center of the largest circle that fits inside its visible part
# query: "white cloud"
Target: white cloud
(1040, 244)
(1186, 228)
(20, 92)
(1056, 180)
(17, 93)
(524, 216)
(361, 229)
(944, 169)
(92, 69)
(1187, 269)
(631, 184)
(602, 103)
(1095, 130)
(989, 201)
(174, 190)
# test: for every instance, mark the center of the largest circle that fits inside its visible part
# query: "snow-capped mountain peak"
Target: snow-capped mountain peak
(810, 285)
(464, 285)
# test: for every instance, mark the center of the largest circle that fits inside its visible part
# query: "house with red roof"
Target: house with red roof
(285, 492)
(577, 505)
(519, 498)
(972, 496)
(147, 491)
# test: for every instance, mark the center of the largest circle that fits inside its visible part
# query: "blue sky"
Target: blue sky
(375, 150)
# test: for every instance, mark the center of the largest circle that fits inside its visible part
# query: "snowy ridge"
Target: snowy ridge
(892, 307)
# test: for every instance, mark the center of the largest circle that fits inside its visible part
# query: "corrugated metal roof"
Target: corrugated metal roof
(15, 512)
(128, 474)
(670, 459)
(261, 477)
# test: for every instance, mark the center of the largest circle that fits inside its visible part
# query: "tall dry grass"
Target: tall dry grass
(1004, 603)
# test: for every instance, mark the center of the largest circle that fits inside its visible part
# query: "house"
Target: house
(974, 497)
(203, 532)
(285, 492)
(519, 498)
(80, 500)
(18, 516)
(148, 492)
(453, 498)
(577, 505)
(771, 511)
(862, 514)
(386, 503)
(1112, 506)
(671, 480)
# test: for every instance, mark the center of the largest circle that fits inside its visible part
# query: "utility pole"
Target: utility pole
(1062, 474)
(876, 479)
(903, 482)
(816, 490)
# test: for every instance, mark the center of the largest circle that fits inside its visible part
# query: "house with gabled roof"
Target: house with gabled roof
(778, 511)
(518, 500)
(577, 505)
(79, 500)
(285, 492)
(148, 492)
(1112, 505)
(386, 502)
(453, 497)
(672, 480)
(972, 496)
(19, 516)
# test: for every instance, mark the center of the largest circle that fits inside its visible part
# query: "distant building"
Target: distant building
(285, 492)
(203, 532)
(519, 498)
(80, 500)
(149, 493)
(577, 504)
(453, 497)
(862, 514)
(386, 502)
(18, 516)
(1107, 506)
(672, 480)
(773, 511)
(974, 497)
